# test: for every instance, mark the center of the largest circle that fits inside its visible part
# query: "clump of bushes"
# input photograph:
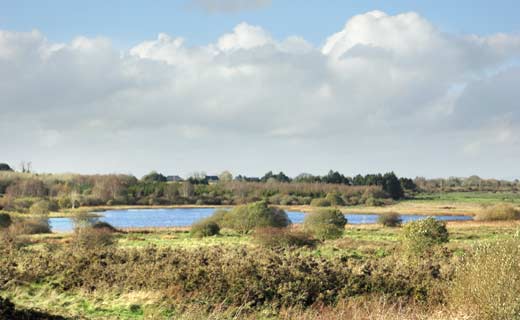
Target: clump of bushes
(245, 218)
(320, 202)
(325, 223)
(31, 226)
(335, 199)
(283, 238)
(390, 219)
(205, 228)
(5, 220)
(488, 281)
(498, 212)
(423, 235)
(41, 207)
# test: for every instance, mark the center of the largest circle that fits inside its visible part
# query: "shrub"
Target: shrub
(102, 225)
(488, 281)
(390, 219)
(423, 235)
(32, 226)
(41, 207)
(90, 237)
(498, 212)
(335, 199)
(320, 202)
(283, 238)
(248, 217)
(5, 220)
(64, 203)
(374, 202)
(205, 228)
(325, 224)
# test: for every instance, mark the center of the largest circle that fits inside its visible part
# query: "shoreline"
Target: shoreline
(402, 208)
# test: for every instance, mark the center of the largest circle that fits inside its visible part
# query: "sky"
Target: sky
(422, 88)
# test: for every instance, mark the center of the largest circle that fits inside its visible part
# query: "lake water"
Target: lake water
(183, 217)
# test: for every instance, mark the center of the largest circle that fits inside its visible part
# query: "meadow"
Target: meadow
(383, 283)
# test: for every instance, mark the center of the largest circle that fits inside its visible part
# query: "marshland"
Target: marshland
(274, 248)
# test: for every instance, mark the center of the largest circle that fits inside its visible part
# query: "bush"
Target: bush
(5, 220)
(102, 225)
(335, 199)
(325, 224)
(91, 237)
(283, 238)
(205, 228)
(488, 281)
(32, 226)
(498, 212)
(320, 202)
(41, 207)
(390, 219)
(423, 235)
(374, 202)
(64, 203)
(248, 217)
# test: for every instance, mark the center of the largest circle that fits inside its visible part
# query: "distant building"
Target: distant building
(173, 178)
(212, 179)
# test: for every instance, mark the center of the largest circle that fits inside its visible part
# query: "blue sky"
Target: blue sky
(423, 88)
(129, 22)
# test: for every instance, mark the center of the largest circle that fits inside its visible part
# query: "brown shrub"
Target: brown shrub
(498, 212)
(283, 238)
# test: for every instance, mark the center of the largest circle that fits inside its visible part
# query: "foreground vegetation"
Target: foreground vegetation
(368, 271)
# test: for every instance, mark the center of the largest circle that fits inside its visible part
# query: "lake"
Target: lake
(183, 217)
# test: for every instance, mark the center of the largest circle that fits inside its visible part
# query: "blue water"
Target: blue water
(183, 217)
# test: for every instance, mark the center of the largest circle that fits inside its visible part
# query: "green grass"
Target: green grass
(473, 197)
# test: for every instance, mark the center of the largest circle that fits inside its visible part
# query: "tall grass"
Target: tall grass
(498, 212)
(488, 281)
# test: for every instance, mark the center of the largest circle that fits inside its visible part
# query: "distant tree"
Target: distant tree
(198, 177)
(407, 184)
(392, 186)
(154, 176)
(306, 178)
(267, 176)
(358, 180)
(5, 167)
(225, 176)
(280, 177)
(334, 177)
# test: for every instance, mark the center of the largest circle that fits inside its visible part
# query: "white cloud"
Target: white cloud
(382, 86)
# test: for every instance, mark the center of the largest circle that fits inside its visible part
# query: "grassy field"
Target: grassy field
(359, 242)
(360, 247)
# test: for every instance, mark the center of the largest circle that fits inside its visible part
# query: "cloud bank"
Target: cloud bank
(384, 93)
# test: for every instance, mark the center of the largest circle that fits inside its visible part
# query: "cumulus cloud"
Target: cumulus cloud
(384, 93)
(228, 6)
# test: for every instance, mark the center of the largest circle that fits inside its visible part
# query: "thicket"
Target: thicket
(248, 277)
